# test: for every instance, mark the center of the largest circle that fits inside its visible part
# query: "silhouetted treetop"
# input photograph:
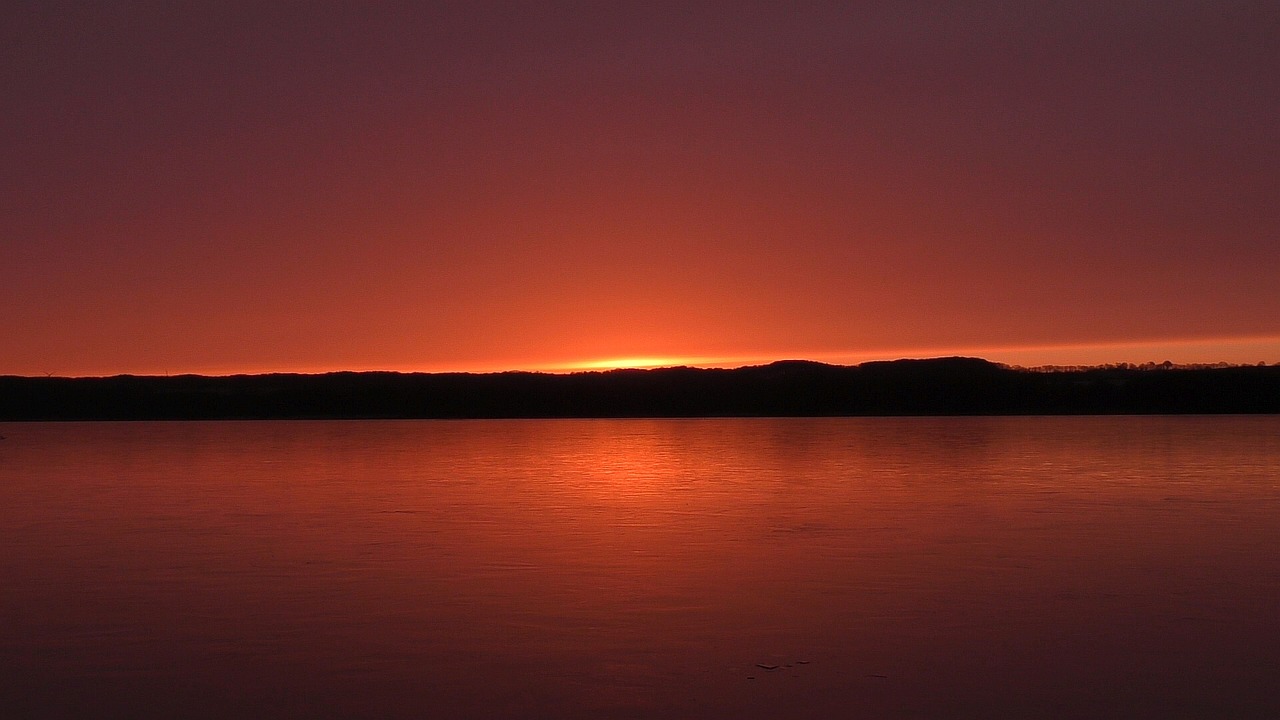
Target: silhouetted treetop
(940, 386)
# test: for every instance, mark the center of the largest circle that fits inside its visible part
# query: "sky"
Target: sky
(231, 187)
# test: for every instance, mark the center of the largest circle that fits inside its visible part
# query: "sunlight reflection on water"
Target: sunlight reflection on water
(907, 567)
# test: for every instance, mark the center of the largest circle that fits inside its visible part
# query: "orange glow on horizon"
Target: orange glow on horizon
(1233, 350)
(637, 363)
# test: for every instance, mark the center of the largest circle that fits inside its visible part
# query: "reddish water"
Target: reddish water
(888, 568)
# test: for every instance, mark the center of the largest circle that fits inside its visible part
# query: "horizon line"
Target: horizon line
(1237, 350)
(658, 363)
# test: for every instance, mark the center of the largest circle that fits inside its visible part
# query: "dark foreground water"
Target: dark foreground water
(771, 568)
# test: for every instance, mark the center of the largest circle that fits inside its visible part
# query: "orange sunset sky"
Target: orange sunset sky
(229, 187)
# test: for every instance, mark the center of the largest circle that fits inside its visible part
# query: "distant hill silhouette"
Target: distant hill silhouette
(942, 386)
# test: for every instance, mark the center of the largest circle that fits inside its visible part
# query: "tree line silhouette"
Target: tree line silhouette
(943, 386)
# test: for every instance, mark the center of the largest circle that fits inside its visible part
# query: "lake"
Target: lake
(1056, 567)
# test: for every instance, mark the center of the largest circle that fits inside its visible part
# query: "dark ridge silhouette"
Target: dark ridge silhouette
(942, 386)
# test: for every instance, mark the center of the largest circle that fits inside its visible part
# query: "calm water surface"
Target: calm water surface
(888, 568)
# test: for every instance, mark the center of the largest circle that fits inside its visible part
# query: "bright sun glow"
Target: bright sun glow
(631, 362)
(1246, 350)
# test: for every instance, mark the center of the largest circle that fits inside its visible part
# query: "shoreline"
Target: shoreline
(941, 386)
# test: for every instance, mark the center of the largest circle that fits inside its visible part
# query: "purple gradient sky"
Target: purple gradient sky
(244, 187)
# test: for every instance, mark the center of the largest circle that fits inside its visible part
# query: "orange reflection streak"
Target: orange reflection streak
(506, 555)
